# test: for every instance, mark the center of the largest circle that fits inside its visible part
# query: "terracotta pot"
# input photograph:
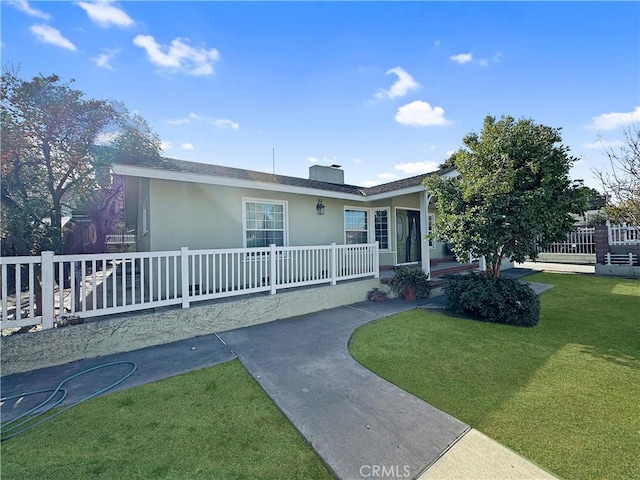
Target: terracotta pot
(409, 294)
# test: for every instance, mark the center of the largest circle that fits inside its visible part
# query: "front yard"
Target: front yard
(563, 394)
(214, 423)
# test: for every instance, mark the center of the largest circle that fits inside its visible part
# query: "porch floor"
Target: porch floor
(438, 270)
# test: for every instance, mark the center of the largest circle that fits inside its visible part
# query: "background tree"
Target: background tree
(104, 204)
(23, 208)
(56, 129)
(513, 193)
(621, 181)
(56, 150)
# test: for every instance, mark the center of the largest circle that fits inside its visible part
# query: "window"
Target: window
(432, 229)
(356, 226)
(381, 228)
(264, 223)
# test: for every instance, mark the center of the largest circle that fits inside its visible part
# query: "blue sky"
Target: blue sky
(385, 89)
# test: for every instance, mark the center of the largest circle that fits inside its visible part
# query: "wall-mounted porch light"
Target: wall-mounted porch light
(320, 207)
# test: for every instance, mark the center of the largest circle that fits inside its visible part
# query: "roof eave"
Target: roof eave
(158, 174)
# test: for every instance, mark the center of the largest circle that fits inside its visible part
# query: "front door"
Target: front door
(408, 236)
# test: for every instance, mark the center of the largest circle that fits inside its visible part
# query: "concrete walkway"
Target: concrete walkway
(555, 267)
(361, 425)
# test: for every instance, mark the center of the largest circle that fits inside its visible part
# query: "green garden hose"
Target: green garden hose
(24, 422)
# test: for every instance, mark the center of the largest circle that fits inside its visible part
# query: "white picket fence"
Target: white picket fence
(623, 234)
(579, 247)
(103, 284)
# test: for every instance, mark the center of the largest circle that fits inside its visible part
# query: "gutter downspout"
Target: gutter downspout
(425, 198)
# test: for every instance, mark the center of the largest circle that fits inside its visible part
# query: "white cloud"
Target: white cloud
(416, 168)
(609, 121)
(226, 123)
(604, 144)
(187, 146)
(357, 161)
(105, 14)
(48, 34)
(402, 86)
(420, 114)
(436, 43)
(462, 58)
(165, 145)
(370, 183)
(179, 56)
(178, 121)
(103, 60)
(24, 7)
(313, 159)
(450, 152)
(386, 176)
(197, 117)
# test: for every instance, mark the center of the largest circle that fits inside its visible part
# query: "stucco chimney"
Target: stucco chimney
(332, 174)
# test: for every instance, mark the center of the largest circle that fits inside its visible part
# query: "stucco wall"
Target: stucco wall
(21, 353)
(207, 216)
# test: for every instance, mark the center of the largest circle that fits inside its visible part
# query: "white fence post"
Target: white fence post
(184, 271)
(334, 263)
(376, 261)
(47, 289)
(608, 258)
(630, 258)
(272, 268)
(482, 264)
(609, 232)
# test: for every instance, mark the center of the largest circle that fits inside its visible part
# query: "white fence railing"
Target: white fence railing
(581, 241)
(578, 247)
(621, 259)
(115, 239)
(43, 289)
(623, 234)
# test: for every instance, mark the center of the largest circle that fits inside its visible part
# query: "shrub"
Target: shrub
(376, 295)
(492, 299)
(414, 278)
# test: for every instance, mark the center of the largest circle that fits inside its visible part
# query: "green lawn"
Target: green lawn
(215, 423)
(565, 394)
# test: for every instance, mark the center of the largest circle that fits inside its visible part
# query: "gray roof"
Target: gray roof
(175, 165)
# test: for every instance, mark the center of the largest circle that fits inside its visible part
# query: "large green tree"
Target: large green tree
(56, 150)
(513, 193)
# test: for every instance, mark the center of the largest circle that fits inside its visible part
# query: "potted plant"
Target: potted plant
(410, 283)
(376, 295)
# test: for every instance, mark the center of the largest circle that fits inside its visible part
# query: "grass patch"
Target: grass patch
(214, 423)
(563, 394)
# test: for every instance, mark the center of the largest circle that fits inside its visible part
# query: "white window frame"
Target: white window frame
(374, 210)
(432, 229)
(285, 213)
(371, 220)
(344, 222)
